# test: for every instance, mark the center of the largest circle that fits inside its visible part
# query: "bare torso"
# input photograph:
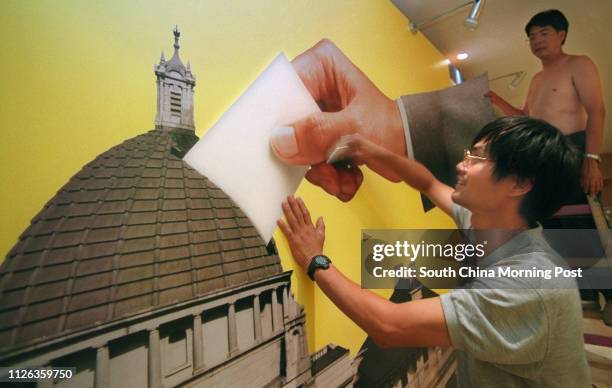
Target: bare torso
(553, 97)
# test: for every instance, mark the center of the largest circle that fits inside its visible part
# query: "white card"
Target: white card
(235, 154)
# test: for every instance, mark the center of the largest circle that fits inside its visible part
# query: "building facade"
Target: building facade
(141, 272)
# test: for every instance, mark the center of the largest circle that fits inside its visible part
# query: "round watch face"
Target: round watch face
(320, 260)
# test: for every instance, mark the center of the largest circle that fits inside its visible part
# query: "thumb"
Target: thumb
(307, 141)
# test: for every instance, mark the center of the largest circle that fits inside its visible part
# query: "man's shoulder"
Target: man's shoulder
(580, 62)
(533, 251)
(579, 58)
(535, 266)
(534, 258)
(537, 76)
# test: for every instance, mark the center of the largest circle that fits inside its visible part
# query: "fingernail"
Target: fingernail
(284, 142)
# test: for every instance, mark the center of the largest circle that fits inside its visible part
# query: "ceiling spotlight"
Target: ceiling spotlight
(447, 61)
(471, 21)
(462, 56)
(455, 75)
(517, 78)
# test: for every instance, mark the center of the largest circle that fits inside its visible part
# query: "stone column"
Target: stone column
(154, 359)
(198, 342)
(257, 318)
(190, 106)
(102, 367)
(291, 354)
(158, 115)
(304, 356)
(162, 98)
(231, 329)
(182, 113)
(276, 322)
(285, 302)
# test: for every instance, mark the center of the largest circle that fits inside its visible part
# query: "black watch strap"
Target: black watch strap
(317, 262)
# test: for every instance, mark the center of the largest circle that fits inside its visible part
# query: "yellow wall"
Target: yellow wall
(77, 78)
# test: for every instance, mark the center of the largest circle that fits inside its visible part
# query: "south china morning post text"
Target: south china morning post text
(437, 259)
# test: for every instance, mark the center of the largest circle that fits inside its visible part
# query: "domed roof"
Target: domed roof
(136, 229)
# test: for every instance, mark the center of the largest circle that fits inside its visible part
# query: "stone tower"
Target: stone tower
(175, 84)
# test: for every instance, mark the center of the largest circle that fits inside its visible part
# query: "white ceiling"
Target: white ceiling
(498, 46)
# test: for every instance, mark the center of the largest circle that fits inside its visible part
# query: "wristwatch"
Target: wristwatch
(593, 156)
(317, 262)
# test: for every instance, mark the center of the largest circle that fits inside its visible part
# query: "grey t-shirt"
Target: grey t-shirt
(508, 331)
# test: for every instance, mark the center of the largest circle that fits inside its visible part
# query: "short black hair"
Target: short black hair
(532, 149)
(551, 17)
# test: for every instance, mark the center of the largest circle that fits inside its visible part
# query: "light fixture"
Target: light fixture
(470, 22)
(462, 56)
(455, 74)
(517, 78)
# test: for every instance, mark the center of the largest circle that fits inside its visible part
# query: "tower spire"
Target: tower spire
(177, 35)
(175, 84)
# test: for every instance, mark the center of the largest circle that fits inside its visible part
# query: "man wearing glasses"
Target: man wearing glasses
(566, 93)
(509, 332)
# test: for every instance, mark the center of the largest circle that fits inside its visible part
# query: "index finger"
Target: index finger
(297, 211)
(289, 215)
(305, 212)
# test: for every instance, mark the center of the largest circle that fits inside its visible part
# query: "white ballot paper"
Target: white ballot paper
(235, 153)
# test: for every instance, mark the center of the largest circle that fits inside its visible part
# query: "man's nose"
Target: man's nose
(461, 168)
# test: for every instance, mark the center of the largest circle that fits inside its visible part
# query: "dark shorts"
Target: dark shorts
(578, 139)
(578, 197)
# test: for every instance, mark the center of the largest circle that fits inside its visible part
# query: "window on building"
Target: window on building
(175, 103)
(245, 324)
(85, 363)
(215, 335)
(265, 304)
(128, 360)
(176, 350)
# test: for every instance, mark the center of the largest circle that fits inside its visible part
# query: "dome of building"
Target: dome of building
(135, 230)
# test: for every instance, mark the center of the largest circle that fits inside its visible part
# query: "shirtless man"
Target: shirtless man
(566, 93)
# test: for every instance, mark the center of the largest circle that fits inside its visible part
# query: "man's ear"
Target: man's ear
(521, 187)
(562, 35)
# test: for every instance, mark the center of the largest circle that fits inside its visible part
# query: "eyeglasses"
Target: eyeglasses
(468, 158)
(540, 34)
